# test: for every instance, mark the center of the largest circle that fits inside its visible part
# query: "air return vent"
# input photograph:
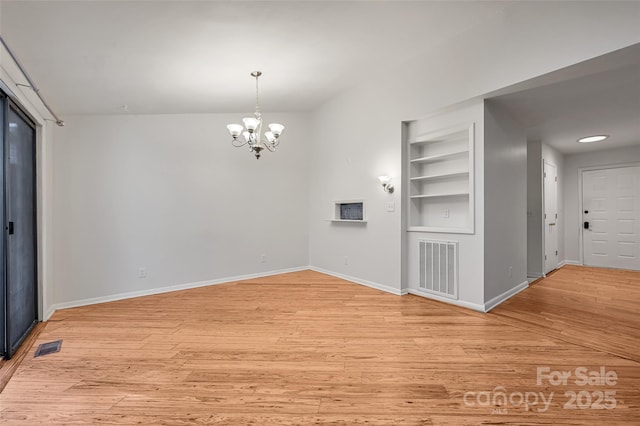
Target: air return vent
(439, 268)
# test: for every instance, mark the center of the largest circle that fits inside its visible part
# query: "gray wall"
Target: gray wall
(170, 193)
(505, 202)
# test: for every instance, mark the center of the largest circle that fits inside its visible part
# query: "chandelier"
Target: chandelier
(252, 130)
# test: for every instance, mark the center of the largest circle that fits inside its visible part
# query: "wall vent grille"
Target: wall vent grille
(439, 267)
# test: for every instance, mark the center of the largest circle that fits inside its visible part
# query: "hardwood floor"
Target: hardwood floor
(593, 307)
(8, 367)
(304, 348)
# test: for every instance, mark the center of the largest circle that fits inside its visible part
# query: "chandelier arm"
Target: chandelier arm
(237, 143)
(269, 146)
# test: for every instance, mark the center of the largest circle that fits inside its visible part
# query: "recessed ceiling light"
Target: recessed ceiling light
(596, 138)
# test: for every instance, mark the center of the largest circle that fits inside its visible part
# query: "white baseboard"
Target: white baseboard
(461, 303)
(532, 277)
(569, 262)
(152, 291)
(504, 296)
(371, 284)
(49, 312)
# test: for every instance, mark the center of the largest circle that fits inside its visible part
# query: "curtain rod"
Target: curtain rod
(32, 85)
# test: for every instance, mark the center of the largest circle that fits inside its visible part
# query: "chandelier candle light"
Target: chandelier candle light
(252, 130)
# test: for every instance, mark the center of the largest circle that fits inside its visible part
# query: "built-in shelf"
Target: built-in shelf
(348, 211)
(421, 140)
(438, 176)
(439, 170)
(450, 194)
(442, 135)
(439, 157)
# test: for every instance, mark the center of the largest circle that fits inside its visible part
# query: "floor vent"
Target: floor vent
(439, 267)
(48, 348)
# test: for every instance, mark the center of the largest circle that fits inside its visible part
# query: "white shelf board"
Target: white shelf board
(439, 176)
(421, 140)
(449, 194)
(347, 220)
(438, 157)
(442, 135)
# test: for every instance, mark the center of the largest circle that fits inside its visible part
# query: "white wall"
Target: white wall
(357, 135)
(572, 165)
(170, 193)
(535, 263)
(505, 202)
(345, 164)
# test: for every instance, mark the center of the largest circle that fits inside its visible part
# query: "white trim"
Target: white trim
(570, 262)
(504, 296)
(377, 286)
(531, 277)
(461, 303)
(48, 313)
(152, 291)
(545, 162)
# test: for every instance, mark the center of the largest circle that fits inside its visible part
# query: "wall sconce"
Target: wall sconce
(384, 180)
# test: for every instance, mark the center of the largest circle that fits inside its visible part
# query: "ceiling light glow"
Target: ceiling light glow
(596, 138)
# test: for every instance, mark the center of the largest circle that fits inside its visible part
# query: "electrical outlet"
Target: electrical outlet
(510, 271)
(391, 206)
(263, 258)
(445, 214)
(346, 260)
(142, 273)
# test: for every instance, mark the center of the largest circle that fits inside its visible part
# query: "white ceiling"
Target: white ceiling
(604, 102)
(93, 57)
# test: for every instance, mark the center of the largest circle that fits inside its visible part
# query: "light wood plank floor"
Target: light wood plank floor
(593, 307)
(302, 348)
(8, 367)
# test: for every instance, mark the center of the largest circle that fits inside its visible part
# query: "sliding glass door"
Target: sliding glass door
(19, 252)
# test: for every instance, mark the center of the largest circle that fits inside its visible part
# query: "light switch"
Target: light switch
(391, 206)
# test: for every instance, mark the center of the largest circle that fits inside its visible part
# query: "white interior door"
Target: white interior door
(610, 217)
(550, 217)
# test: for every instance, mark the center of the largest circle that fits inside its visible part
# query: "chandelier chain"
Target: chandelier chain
(257, 96)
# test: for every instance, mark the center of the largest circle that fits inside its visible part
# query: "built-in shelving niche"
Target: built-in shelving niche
(440, 180)
(349, 211)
